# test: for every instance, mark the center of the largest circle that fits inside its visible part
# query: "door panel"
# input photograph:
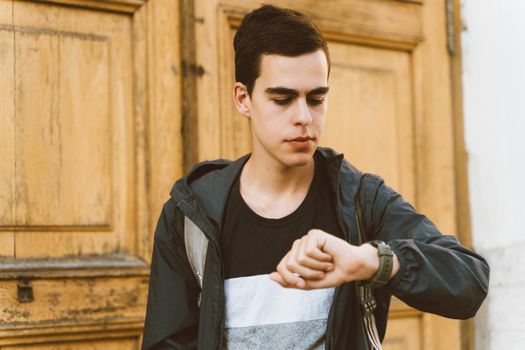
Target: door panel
(370, 117)
(404, 334)
(389, 110)
(75, 300)
(73, 147)
(58, 131)
(86, 88)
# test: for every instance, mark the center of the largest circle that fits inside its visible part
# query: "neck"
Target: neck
(273, 178)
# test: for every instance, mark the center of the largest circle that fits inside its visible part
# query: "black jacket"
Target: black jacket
(436, 274)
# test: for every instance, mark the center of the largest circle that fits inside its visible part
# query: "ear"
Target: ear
(242, 99)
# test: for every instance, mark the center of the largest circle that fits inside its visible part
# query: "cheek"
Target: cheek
(267, 123)
(271, 118)
(320, 118)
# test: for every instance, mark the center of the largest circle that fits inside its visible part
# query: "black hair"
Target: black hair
(273, 30)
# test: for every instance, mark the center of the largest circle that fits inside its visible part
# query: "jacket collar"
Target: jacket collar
(209, 183)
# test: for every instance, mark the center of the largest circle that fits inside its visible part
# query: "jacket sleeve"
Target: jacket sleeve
(172, 311)
(437, 274)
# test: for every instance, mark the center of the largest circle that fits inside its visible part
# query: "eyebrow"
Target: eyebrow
(294, 93)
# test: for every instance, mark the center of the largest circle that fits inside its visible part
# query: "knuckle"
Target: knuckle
(290, 265)
(309, 251)
(302, 260)
(312, 232)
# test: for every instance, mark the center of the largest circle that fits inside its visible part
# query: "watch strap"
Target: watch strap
(386, 263)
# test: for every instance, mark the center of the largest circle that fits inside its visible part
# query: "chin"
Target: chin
(297, 159)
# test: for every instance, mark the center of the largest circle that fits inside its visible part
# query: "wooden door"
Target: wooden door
(389, 110)
(90, 130)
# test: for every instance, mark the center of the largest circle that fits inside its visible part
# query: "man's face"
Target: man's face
(288, 106)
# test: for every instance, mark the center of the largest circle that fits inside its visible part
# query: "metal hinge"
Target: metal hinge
(451, 35)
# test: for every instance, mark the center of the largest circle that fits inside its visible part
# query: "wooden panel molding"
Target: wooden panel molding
(48, 31)
(118, 339)
(123, 6)
(96, 266)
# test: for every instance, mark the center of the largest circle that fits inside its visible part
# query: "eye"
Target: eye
(315, 101)
(282, 101)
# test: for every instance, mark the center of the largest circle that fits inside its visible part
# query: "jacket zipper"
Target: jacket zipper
(348, 238)
(221, 301)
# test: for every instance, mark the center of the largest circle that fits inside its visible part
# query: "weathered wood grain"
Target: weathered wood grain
(98, 144)
(7, 131)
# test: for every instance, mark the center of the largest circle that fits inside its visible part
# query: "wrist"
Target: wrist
(370, 261)
(385, 270)
(373, 261)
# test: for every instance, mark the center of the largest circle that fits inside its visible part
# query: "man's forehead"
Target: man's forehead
(313, 61)
(302, 73)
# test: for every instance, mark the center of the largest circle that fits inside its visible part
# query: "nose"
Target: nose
(303, 115)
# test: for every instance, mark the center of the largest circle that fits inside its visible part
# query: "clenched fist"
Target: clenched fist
(321, 260)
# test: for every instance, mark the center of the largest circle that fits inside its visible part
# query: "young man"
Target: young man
(283, 257)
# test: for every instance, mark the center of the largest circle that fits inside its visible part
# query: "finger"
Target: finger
(304, 265)
(291, 279)
(310, 255)
(316, 284)
(313, 249)
(293, 264)
(316, 265)
(330, 280)
(276, 277)
(305, 272)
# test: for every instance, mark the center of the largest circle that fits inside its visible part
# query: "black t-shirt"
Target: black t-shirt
(259, 312)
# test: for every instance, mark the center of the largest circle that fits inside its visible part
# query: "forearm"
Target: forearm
(441, 277)
(436, 274)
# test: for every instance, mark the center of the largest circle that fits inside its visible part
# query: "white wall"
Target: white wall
(494, 112)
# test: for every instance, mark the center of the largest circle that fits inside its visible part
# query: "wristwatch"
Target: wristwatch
(386, 263)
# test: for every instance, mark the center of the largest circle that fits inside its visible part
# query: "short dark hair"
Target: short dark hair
(273, 30)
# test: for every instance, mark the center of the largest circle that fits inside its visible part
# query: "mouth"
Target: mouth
(301, 139)
(301, 143)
